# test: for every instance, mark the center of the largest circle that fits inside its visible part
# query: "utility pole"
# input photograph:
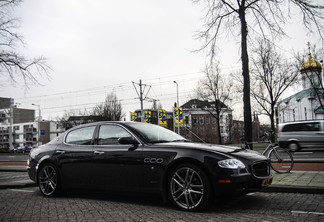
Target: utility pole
(141, 99)
(140, 95)
(39, 120)
(178, 107)
(10, 124)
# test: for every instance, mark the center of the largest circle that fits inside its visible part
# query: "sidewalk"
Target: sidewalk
(293, 182)
(298, 182)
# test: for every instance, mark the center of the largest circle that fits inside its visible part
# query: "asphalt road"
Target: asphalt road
(30, 205)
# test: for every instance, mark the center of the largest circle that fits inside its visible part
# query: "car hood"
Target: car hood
(219, 149)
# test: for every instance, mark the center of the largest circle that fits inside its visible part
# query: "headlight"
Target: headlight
(231, 164)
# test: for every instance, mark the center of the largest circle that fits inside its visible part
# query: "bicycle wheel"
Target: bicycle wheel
(281, 160)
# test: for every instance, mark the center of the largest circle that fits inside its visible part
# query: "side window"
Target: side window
(109, 134)
(302, 127)
(82, 136)
(312, 127)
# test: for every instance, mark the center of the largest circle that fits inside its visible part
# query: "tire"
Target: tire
(49, 180)
(293, 146)
(189, 188)
(281, 160)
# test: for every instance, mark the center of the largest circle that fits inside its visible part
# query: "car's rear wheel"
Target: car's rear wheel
(189, 188)
(49, 180)
(293, 146)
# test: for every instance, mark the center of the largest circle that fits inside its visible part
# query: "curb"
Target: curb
(13, 169)
(293, 189)
(17, 186)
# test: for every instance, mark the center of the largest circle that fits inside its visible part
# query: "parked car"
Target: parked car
(142, 157)
(303, 134)
(28, 149)
(20, 149)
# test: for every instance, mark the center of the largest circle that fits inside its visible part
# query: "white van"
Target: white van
(303, 134)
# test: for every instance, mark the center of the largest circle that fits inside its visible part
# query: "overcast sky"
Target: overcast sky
(98, 46)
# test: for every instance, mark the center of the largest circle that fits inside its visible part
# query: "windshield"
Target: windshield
(155, 134)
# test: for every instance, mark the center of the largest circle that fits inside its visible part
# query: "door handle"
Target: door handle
(98, 152)
(59, 151)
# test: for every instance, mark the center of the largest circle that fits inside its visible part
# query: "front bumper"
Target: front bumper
(234, 182)
(239, 184)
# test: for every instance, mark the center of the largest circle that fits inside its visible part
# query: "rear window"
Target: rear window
(82, 136)
(296, 127)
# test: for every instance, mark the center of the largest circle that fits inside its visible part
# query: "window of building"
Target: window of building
(187, 120)
(194, 120)
(207, 120)
(222, 129)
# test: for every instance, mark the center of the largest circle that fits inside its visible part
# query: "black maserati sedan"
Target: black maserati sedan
(142, 157)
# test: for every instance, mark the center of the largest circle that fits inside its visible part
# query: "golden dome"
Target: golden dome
(311, 64)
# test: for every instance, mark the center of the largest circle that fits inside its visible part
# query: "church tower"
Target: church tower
(308, 103)
(311, 72)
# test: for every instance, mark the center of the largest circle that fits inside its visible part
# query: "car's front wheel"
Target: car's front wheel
(189, 188)
(48, 180)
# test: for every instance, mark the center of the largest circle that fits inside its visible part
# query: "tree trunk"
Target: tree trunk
(246, 79)
(272, 122)
(218, 109)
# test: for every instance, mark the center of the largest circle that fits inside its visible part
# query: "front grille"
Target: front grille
(261, 169)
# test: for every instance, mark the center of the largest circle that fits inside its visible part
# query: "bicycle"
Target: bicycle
(281, 160)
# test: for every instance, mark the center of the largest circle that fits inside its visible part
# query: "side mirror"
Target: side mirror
(127, 140)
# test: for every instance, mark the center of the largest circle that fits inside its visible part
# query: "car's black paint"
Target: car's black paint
(134, 164)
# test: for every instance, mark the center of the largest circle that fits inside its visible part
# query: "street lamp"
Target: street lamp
(178, 107)
(39, 119)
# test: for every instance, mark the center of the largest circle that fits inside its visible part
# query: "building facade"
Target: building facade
(21, 124)
(199, 122)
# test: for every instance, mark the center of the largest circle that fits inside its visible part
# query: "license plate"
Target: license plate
(266, 182)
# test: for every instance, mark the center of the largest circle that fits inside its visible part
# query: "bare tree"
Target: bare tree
(260, 17)
(110, 110)
(214, 87)
(73, 118)
(13, 65)
(272, 74)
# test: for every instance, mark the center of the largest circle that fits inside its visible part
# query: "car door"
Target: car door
(118, 166)
(75, 157)
(317, 135)
(311, 135)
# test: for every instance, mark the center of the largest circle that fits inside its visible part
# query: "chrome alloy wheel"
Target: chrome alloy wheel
(47, 180)
(187, 188)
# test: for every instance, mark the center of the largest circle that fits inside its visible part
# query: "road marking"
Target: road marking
(307, 212)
